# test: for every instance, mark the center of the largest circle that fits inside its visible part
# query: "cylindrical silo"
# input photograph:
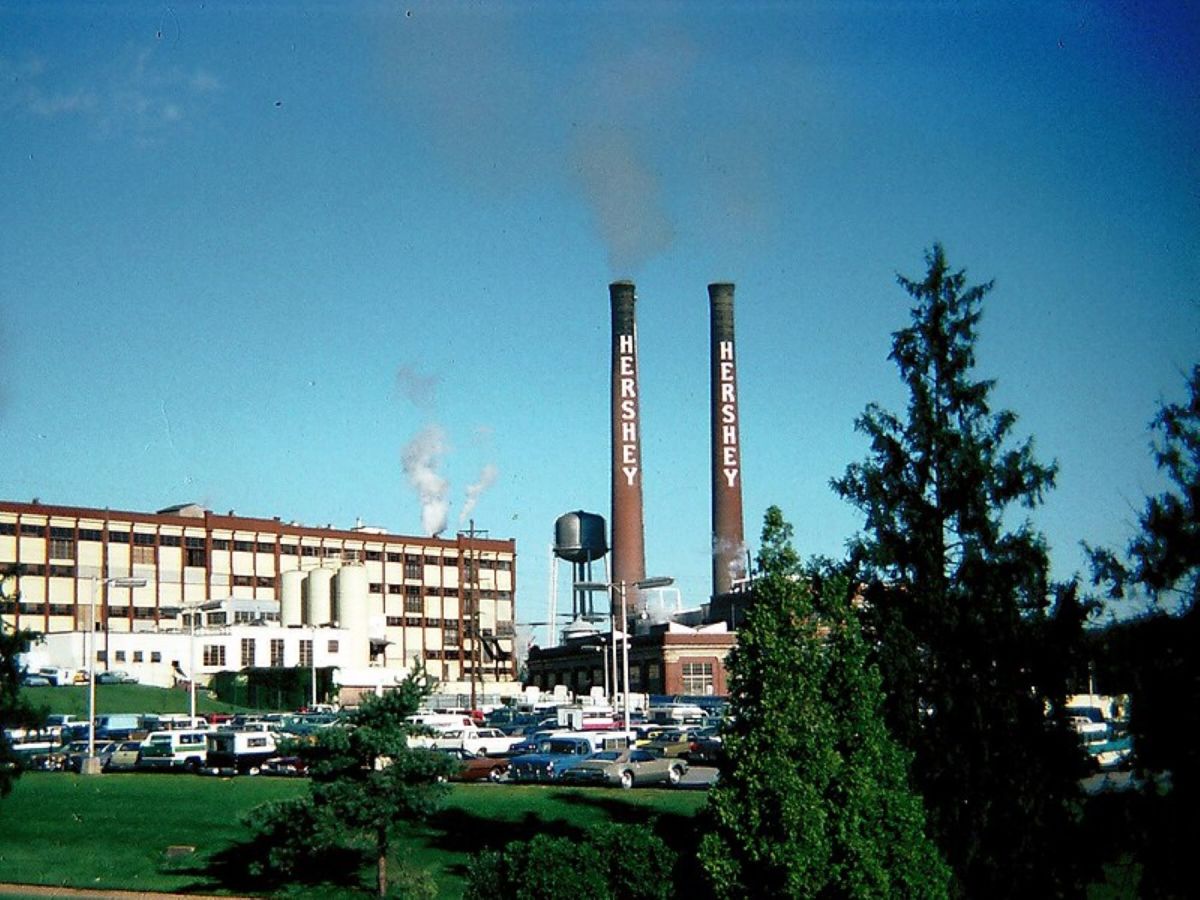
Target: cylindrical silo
(291, 598)
(350, 598)
(318, 596)
(628, 541)
(728, 534)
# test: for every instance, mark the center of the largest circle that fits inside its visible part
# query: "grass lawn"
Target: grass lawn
(114, 831)
(120, 698)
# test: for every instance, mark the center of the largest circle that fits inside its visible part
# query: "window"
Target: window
(266, 546)
(412, 600)
(102, 656)
(306, 653)
(394, 621)
(62, 609)
(33, 530)
(375, 588)
(306, 550)
(243, 546)
(143, 539)
(155, 656)
(265, 581)
(374, 556)
(62, 543)
(331, 647)
(697, 678)
(168, 540)
(395, 589)
(412, 566)
(120, 655)
(217, 618)
(61, 571)
(220, 544)
(195, 557)
(214, 654)
(276, 652)
(243, 581)
(394, 557)
(90, 534)
(450, 635)
(142, 554)
(289, 549)
(118, 537)
(247, 652)
(143, 612)
(137, 655)
(413, 622)
(7, 528)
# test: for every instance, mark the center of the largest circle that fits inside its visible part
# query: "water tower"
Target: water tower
(579, 538)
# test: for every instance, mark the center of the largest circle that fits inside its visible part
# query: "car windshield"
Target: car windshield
(608, 755)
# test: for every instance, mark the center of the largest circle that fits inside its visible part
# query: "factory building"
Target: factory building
(358, 598)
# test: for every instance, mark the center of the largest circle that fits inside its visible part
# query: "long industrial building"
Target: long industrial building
(381, 600)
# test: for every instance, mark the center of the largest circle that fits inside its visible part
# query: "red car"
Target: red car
(474, 767)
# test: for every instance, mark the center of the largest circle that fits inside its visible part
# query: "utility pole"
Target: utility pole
(470, 612)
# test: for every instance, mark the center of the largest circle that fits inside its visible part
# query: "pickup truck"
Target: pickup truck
(553, 756)
(479, 741)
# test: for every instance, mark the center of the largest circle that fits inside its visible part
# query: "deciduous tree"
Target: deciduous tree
(814, 797)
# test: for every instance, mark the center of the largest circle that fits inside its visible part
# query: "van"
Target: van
(57, 676)
(238, 752)
(440, 721)
(118, 726)
(174, 750)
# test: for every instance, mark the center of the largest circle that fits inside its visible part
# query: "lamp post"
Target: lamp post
(91, 765)
(609, 586)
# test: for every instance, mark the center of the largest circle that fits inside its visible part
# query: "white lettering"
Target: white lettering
(727, 393)
(628, 388)
(728, 416)
(729, 435)
(629, 454)
(628, 410)
(725, 350)
(629, 432)
(726, 371)
(625, 365)
(731, 476)
(625, 343)
(729, 456)
(630, 474)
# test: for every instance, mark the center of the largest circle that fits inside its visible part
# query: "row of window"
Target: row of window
(63, 546)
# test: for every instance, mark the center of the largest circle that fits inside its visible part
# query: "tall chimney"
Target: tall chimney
(628, 542)
(728, 529)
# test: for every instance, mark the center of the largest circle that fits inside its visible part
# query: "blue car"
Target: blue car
(553, 756)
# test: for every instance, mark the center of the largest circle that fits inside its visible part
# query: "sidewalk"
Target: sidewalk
(40, 890)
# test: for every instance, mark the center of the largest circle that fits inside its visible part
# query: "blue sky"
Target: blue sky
(249, 254)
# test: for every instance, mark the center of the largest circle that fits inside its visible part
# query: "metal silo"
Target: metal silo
(580, 536)
(291, 598)
(350, 598)
(318, 596)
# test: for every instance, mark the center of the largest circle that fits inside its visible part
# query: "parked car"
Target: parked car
(76, 752)
(33, 679)
(487, 741)
(239, 752)
(115, 676)
(671, 742)
(286, 766)
(553, 756)
(706, 748)
(475, 766)
(626, 768)
(125, 757)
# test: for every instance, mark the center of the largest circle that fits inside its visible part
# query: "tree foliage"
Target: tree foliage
(1163, 557)
(15, 711)
(814, 798)
(970, 643)
(365, 782)
(614, 862)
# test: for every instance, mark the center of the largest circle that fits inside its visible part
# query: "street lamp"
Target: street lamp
(91, 765)
(645, 584)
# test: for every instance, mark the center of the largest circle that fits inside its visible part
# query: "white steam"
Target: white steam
(421, 458)
(486, 479)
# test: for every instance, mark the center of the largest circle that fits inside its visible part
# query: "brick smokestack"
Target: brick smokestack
(728, 528)
(628, 541)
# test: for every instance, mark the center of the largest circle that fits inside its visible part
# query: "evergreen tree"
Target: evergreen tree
(959, 604)
(365, 782)
(15, 711)
(814, 799)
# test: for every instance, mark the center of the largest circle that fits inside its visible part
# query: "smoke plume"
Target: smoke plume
(421, 458)
(486, 478)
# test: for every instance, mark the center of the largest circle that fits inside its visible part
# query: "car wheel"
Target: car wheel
(626, 779)
(193, 765)
(495, 774)
(253, 770)
(674, 775)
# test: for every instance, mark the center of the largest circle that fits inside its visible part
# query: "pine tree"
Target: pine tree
(814, 799)
(959, 603)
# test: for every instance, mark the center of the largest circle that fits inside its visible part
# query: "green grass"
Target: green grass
(114, 831)
(120, 698)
